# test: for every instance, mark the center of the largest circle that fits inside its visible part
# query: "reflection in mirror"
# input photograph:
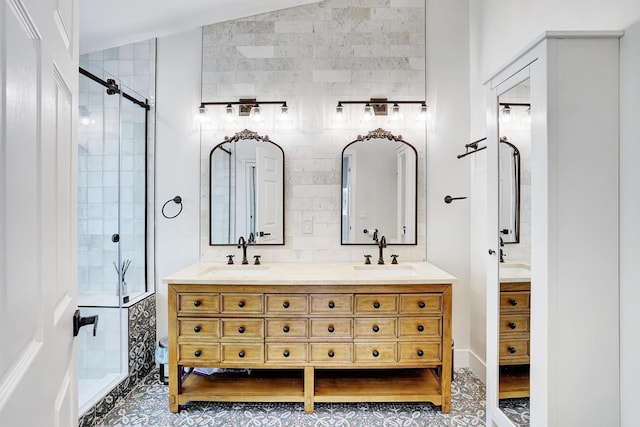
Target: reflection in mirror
(246, 190)
(509, 191)
(514, 127)
(379, 180)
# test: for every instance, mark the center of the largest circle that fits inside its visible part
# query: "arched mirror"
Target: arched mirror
(379, 180)
(246, 190)
(509, 163)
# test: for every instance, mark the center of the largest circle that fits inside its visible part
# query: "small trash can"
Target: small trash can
(162, 359)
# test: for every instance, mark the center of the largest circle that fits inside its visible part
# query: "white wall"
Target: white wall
(447, 133)
(629, 224)
(177, 159)
(499, 30)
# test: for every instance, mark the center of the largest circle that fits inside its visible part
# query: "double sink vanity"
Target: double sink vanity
(310, 332)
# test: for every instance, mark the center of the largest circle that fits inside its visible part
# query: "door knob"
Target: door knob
(79, 322)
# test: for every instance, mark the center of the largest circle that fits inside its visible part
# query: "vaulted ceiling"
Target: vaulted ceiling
(106, 24)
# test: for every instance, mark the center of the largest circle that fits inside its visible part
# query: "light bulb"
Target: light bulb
(368, 113)
(256, 114)
(506, 114)
(339, 113)
(423, 113)
(283, 116)
(228, 113)
(395, 113)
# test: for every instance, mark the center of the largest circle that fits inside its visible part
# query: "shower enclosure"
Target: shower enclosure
(112, 225)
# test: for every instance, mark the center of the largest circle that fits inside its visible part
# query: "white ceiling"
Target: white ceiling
(106, 24)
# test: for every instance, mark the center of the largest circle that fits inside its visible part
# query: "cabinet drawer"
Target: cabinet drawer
(242, 353)
(420, 303)
(514, 301)
(514, 351)
(198, 354)
(198, 328)
(333, 352)
(375, 327)
(376, 304)
(420, 327)
(331, 304)
(287, 352)
(327, 328)
(283, 304)
(286, 328)
(198, 303)
(241, 303)
(375, 352)
(242, 328)
(420, 352)
(514, 324)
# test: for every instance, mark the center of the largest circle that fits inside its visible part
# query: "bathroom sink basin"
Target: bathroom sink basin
(236, 271)
(375, 271)
(515, 271)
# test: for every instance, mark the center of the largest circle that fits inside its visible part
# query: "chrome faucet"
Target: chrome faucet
(242, 243)
(382, 244)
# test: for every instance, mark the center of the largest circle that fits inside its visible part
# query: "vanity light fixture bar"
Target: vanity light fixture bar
(246, 107)
(379, 107)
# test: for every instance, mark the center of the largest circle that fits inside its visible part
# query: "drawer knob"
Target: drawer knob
(197, 303)
(421, 304)
(285, 304)
(196, 329)
(420, 353)
(331, 329)
(286, 353)
(420, 328)
(331, 353)
(285, 329)
(375, 353)
(375, 328)
(512, 325)
(376, 304)
(197, 353)
(332, 304)
(241, 354)
(513, 302)
(512, 350)
(241, 330)
(240, 303)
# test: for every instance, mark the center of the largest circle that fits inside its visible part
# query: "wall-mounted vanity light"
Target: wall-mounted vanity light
(507, 112)
(380, 107)
(246, 107)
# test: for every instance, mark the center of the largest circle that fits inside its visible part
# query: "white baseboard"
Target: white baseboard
(468, 359)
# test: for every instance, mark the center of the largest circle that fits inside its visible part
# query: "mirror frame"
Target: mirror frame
(516, 153)
(240, 136)
(387, 136)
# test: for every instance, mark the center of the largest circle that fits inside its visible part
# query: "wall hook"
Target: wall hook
(176, 200)
(448, 199)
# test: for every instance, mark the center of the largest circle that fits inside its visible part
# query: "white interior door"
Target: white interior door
(269, 202)
(39, 71)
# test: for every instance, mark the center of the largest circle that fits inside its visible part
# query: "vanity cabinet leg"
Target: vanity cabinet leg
(309, 389)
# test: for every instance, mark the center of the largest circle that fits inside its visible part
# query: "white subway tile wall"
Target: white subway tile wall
(311, 57)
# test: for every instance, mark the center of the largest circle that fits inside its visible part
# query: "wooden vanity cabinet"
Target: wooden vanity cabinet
(310, 343)
(514, 351)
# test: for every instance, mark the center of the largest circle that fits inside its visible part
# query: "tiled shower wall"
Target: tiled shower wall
(311, 57)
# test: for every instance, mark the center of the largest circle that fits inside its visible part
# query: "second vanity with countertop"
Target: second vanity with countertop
(310, 332)
(514, 352)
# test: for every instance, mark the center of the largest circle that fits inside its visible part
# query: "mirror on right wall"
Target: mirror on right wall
(514, 205)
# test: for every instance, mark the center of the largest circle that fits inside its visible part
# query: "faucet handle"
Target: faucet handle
(367, 259)
(394, 259)
(230, 261)
(257, 260)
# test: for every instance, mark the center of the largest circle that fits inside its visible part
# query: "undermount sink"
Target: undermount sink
(374, 271)
(236, 270)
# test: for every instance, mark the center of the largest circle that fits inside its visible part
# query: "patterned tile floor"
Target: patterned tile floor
(147, 405)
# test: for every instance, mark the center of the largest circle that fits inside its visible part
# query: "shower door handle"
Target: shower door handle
(79, 322)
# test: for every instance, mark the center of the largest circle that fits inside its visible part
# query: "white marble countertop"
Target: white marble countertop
(312, 273)
(515, 272)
